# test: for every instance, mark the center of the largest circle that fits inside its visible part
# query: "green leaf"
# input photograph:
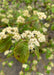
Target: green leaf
(43, 1)
(27, 69)
(21, 51)
(48, 71)
(52, 9)
(52, 27)
(37, 51)
(5, 44)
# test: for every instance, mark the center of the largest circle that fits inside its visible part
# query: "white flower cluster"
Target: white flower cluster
(29, 7)
(20, 19)
(16, 37)
(35, 12)
(9, 16)
(3, 35)
(5, 17)
(10, 30)
(26, 13)
(5, 20)
(7, 52)
(24, 65)
(35, 37)
(10, 11)
(2, 15)
(46, 25)
(44, 29)
(41, 15)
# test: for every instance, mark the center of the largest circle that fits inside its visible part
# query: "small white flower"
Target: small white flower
(41, 15)
(10, 64)
(51, 57)
(13, 41)
(35, 12)
(23, 35)
(52, 64)
(21, 73)
(28, 73)
(44, 29)
(15, 29)
(44, 49)
(10, 51)
(31, 46)
(17, 37)
(40, 58)
(4, 63)
(40, 74)
(2, 35)
(41, 38)
(29, 7)
(6, 52)
(10, 11)
(52, 5)
(27, 32)
(48, 68)
(34, 32)
(20, 19)
(26, 13)
(24, 66)
(34, 68)
(1, 72)
(46, 25)
(30, 36)
(10, 16)
(19, 11)
(35, 62)
(34, 41)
